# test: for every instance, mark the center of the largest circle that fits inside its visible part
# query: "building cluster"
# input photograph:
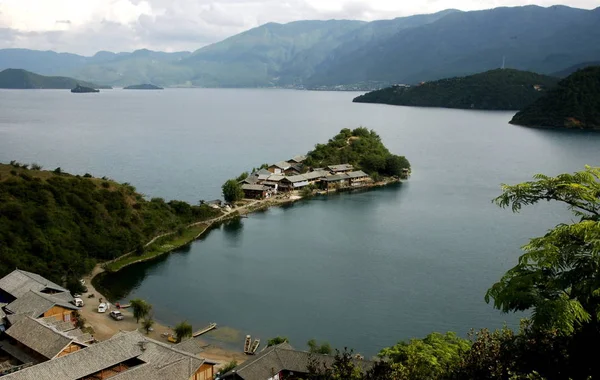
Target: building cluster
(39, 340)
(290, 175)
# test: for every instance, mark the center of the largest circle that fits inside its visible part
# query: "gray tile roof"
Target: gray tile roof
(160, 361)
(298, 158)
(59, 325)
(282, 165)
(254, 187)
(282, 357)
(35, 304)
(340, 168)
(262, 172)
(334, 178)
(357, 174)
(295, 178)
(276, 177)
(251, 179)
(193, 346)
(2, 313)
(41, 338)
(314, 175)
(19, 282)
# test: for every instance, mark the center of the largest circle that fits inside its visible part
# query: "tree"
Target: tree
(141, 309)
(343, 367)
(427, 358)
(183, 330)
(228, 367)
(232, 191)
(147, 324)
(315, 348)
(277, 340)
(557, 276)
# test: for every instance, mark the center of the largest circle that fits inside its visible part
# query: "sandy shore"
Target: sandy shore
(105, 327)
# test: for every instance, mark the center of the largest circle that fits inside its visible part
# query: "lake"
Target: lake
(361, 270)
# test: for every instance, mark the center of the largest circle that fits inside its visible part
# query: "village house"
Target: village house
(283, 362)
(19, 282)
(315, 176)
(294, 169)
(279, 167)
(125, 356)
(297, 159)
(339, 169)
(36, 304)
(255, 191)
(33, 341)
(294, 182)
(358, 178)
(335, 181)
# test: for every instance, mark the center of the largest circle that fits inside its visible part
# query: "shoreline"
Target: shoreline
(105, 327)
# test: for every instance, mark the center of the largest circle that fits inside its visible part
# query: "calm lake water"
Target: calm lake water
(360, 270)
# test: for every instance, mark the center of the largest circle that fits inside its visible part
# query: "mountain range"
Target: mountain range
(349, 54)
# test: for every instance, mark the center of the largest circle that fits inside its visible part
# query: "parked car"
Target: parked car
(78, 302)
(116, 315)
(102, 308)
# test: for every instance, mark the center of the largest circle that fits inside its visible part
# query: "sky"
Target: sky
(87, 26)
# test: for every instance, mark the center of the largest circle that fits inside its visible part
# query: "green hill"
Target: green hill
(493, 90)
(361, 148)
(60, 225)
(574, 104)
(22, 79)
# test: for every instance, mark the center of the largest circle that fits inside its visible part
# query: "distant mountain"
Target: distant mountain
(142, 87)
(571, 69)
(574, 104)
(493, 90)
(22, 79)
(531, 38)
(348, 54)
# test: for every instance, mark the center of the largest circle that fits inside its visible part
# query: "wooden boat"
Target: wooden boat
(247, 344)
(208, 328)
(255, 346)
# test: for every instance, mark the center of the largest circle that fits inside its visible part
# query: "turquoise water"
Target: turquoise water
(361, 270)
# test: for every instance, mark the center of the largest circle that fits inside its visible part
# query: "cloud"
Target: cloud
(123, 25)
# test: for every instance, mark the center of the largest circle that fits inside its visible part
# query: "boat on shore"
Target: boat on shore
(208, 328)
(247, 344)
(254, 346)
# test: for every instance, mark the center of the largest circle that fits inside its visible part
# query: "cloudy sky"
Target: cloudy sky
(87, 26)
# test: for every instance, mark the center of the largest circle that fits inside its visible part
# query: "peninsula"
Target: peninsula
(501, 89)
(573, 104)
(142, 87)
(23, 79)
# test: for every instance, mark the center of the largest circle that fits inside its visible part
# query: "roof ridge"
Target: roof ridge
(168, 346)
(262, 355)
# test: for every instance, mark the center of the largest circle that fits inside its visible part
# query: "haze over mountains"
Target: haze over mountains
(322, 54)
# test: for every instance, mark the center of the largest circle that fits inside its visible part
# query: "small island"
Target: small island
(500, 89)
(145, 86)
(82, 90)
(573, 104)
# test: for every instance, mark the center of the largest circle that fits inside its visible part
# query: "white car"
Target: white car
(78, 302)
(102, 308)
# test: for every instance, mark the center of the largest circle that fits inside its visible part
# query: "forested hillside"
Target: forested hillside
(60, 225)
(493, 90)
(21, 79)
(361, 148)
(574, 103)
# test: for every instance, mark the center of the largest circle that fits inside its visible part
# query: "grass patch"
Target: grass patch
(159, 247)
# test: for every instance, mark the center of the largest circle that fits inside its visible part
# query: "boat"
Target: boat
(255, 346)
(208, 328)
(247, 344)
(82, 90)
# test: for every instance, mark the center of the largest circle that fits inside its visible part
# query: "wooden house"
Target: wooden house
(294, 182)
(20, 282)
(40, 305)
(339, 169)
(125, 356)
(315, 176)
(255, 191)
(294, 169)
(335, 181)
(279, 167)
(358, 178)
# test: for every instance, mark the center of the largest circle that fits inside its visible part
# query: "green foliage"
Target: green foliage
(79, 319)
(360, 147)
(492, 90)
(242, 176)
(183, 330)
(141, 309)
(147, 324)
(277, 340)
(574, 103)
(316, 348)
(228, 367)
(427, 358)
(556, 277)
(232, 191)
(59, 225)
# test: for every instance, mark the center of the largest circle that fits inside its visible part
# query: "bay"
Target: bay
(360, 270)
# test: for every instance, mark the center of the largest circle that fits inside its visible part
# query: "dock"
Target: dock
(208, 328)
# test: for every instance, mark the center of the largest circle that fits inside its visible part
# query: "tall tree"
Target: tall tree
(141, 309)
(183, 330)
(558, 276)
(232, 191)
